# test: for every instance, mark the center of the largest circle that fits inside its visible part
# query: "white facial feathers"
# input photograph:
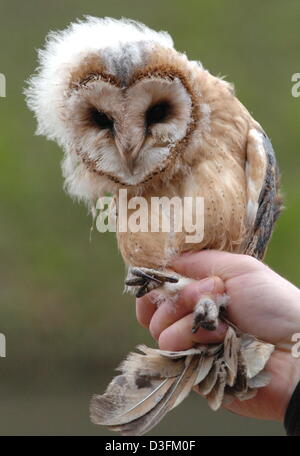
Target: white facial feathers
(134, 146)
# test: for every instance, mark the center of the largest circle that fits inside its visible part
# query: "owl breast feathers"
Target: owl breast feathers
(132, 113)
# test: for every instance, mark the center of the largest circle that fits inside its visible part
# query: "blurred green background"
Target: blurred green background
(66, 321)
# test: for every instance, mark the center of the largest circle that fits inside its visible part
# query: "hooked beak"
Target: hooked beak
(129, 152)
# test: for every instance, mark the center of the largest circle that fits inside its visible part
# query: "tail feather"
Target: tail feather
(180, 388)
(154, 382)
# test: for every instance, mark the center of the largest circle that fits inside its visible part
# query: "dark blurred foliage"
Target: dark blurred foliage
(62, 310)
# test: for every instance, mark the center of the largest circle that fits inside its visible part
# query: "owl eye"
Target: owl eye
(102, 120)
(158, 113)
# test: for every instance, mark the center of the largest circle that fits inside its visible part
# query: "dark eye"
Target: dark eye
(158, 113)
(102, 120)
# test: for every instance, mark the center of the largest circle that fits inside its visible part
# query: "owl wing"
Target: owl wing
(264, 201)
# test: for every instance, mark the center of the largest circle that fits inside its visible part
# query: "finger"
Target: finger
(179, 336)
(169, 311)
(145, 308)
(213, 263)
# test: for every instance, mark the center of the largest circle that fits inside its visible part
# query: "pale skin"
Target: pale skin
(261, 303)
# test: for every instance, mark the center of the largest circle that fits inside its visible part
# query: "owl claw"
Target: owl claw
(206, 314)
(138, 281)
(146, 280)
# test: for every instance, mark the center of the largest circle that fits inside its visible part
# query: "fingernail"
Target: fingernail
(206, 285)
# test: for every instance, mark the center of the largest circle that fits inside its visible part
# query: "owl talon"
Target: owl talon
(206, 314)
(146, 280)
(138, 281)
(143, 290)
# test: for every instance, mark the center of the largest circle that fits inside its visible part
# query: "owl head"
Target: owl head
(126, 107)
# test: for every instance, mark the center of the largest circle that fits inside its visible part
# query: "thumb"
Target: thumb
(208, 263)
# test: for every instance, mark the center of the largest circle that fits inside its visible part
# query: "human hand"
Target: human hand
(261, 303)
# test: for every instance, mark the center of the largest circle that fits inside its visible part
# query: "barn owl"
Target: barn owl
(132, 113)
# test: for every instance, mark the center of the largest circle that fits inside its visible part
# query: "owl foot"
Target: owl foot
(146, 280)
(206, 314)
(141, 281)
(208, 310)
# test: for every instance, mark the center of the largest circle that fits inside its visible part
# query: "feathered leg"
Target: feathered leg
(144, 280)
(141, 281)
